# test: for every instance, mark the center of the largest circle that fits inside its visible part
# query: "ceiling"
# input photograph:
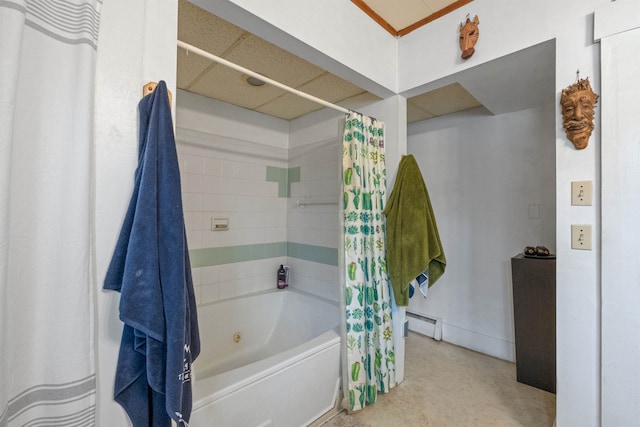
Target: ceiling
(452, 94)
(400, 17)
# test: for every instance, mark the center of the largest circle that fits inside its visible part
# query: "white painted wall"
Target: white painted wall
(136, 44)
(506, 27)
(334, 34)
(618, 25)
(482, 173)
(432, 52)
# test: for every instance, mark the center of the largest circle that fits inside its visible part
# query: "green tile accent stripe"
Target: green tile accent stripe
(320, 254)
(229, 254)
(206, 257)
(284, 178)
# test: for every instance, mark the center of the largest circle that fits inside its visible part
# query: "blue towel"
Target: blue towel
(151, 270)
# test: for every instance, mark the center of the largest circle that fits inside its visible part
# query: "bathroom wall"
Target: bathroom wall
(618, 28)
(136, 45)
(313, 230)
(507, 27)
(491, 180)
(236, 166)
(227, 155)
(252, 170)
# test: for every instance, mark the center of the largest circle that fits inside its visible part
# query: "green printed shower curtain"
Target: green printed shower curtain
(369, 341)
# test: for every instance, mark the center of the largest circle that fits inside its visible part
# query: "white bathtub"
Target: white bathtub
(268, 359)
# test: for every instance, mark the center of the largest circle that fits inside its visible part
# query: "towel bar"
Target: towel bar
(302, 202)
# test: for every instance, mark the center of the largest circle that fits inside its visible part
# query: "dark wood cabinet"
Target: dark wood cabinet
(534, 312)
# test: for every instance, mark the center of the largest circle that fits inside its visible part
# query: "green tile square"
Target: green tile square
(273, 173)
(283, 190)
(294, 174)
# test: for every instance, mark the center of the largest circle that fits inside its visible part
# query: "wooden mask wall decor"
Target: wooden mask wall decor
(578, 104)
(469, 33)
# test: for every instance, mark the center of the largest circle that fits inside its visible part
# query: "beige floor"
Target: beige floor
(448, 386)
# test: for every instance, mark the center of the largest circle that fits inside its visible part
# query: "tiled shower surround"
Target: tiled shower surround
(256, 187)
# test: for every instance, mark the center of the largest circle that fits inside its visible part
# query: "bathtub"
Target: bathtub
(267, 359)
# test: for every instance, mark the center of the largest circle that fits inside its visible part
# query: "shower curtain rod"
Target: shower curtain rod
(205, 54)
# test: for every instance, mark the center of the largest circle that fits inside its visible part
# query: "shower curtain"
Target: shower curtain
(47, 57)
(369, 341)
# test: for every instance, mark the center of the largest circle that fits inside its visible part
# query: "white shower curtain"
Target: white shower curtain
(47, 57)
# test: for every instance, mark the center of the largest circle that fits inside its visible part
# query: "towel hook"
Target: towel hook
(150, 87)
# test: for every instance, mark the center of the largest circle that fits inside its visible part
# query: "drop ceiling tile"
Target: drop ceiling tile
(330, 88)
(271, 61)
(436, 5)
(189, 67)
(358, 101)
(227, 85)
(417, 114)
(289, 107)
(200, 28)
(400, 14)
(446, 100)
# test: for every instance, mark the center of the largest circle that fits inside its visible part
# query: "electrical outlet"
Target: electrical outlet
(581, 236)
(581, 193)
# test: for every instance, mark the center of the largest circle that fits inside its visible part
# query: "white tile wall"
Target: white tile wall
(315, 224)
(319, 172)
(227, 178)
(225, 281)
(318, 279)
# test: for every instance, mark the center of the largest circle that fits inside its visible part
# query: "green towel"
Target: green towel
(413, 242)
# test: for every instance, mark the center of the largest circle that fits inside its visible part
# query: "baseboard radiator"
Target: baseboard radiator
(425, 325)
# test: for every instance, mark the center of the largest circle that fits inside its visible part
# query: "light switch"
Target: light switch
(581, 236)
(581, 193)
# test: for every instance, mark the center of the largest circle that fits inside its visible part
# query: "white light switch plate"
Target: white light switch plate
(581, 193)
(581, 236)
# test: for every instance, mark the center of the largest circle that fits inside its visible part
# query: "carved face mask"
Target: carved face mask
(469, 33)
(578, 103)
